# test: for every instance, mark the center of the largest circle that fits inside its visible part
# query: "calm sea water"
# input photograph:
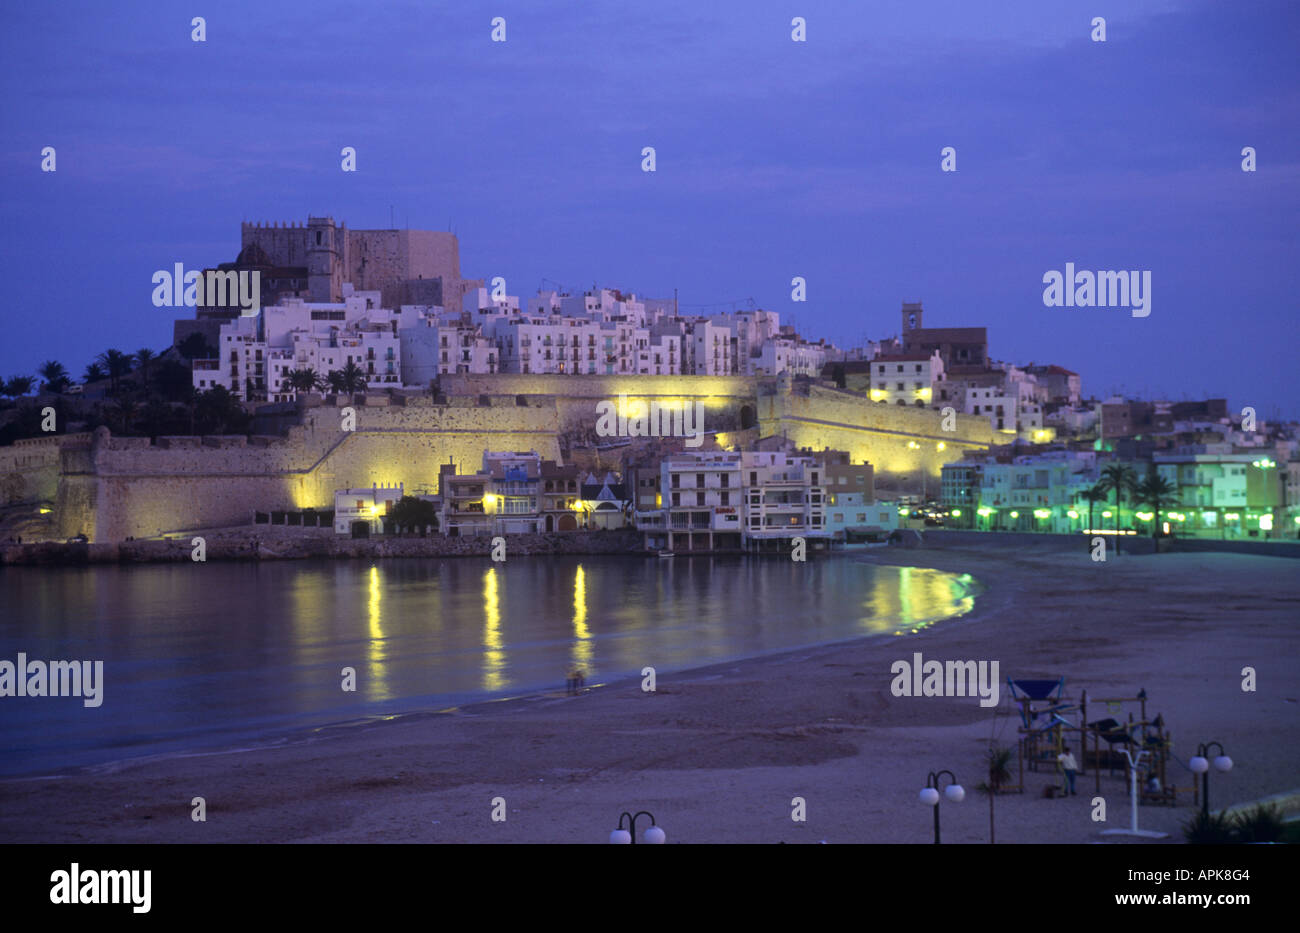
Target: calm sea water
(228, 654)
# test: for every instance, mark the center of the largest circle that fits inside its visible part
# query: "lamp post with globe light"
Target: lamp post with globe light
(1200, 764)
(930, 795)
(653, 834)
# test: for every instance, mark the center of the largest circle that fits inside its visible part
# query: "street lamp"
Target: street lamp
(1200, 765)
(930, 795)
(653, 834)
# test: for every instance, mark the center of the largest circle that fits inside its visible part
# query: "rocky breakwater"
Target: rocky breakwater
(273, 544)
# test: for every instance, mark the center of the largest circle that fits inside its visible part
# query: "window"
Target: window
(699, 498)
(677, 499)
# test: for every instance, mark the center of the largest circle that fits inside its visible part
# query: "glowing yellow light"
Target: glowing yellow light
(878, 395)
(1147, 516)
(582, 648)
(1042, 513)
(46, 511)
(577, 505)
(1015, 514)
(375, 650)
(1072, 513)
(942, 446)
(913, 445)
(494, 658)
(1105, 515)
(986, 511)
(903, 511)
(1266, 523)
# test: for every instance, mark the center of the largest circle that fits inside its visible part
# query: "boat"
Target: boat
(667, 554)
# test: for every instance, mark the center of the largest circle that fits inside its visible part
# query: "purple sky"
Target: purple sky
(775, 159)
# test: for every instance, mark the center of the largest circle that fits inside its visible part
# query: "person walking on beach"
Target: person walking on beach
(1070, 767)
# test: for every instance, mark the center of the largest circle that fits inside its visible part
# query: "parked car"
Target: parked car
(78, 539)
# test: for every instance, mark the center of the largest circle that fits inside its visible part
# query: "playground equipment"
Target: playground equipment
(1048, 721)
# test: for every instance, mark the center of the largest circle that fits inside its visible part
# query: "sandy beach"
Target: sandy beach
(718, 753)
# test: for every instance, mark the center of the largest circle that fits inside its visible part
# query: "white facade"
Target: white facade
(907, 379)
(368, 505)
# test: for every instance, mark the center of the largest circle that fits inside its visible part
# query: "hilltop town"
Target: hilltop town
(368, 389)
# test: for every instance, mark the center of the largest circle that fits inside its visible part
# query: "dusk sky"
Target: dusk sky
(774, 159)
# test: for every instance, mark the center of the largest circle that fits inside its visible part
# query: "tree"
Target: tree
(354, 378)
(173, 381)
(94, 373)
(144, 357)
(126, 411)
(999, 761)
(303, 380)
(1119, 478)
(118, 364)
(55, 376)
(1092, 495)
(1156, 491)
(216, 411)
(17, 386)
(196, 347)
(411, 512)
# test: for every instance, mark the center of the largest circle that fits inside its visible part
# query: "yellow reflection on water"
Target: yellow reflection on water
(378, 676)
(921, 597)
(494, 658)
(582, 647)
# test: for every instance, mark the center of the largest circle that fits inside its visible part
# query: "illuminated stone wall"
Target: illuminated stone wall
(110, 488)
(134, 488)
(900, 442)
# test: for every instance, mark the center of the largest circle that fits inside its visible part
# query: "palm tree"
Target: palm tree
(118, 365)
(19, 386)
(55, 376)
(335, 380)
(144, 357)
(303, 380)
(94, 373)
(1120, 478)
(1092, 495)
(999, 761)
(354, 378)
(126, 411)
(1156, 491)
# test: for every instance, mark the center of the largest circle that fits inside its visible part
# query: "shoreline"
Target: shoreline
(294, 735)
(718, 751)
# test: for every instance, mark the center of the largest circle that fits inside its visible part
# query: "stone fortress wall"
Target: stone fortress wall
(131, 487)
(109, 488)
(819, 417)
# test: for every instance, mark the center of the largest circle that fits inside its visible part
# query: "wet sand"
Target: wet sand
(718, 753)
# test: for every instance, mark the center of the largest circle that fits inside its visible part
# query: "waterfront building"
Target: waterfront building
(360, 512)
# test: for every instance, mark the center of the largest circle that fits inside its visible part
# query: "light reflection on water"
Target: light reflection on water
(220, 654)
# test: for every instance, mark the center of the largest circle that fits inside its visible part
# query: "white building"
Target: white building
(909, 379)
(366, 505)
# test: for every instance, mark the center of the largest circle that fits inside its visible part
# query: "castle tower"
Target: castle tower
(324, 262)
(912, 316)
